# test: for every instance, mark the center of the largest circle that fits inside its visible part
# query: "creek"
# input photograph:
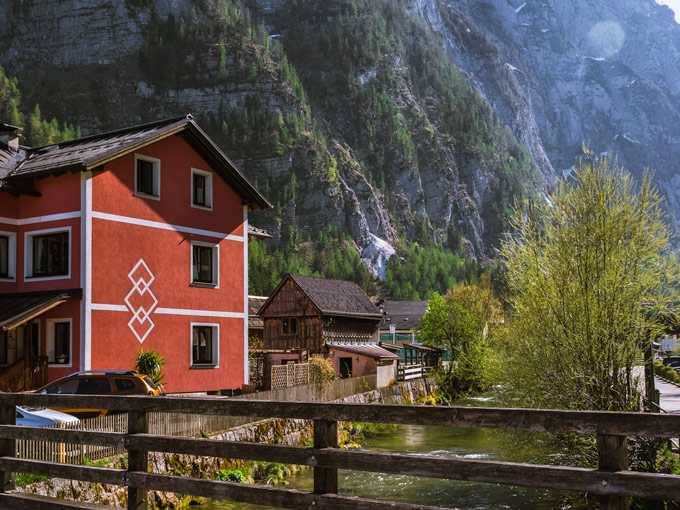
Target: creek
(445, 442)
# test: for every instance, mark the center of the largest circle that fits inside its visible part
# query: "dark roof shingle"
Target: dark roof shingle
(337, 297)
(91, 152)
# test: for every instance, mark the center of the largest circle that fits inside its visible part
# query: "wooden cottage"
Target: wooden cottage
(304, 315)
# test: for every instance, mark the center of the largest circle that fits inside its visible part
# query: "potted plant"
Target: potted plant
(61, 358)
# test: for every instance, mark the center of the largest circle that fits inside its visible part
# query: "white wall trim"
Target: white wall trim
(246, 364)
(28, 254)
(172, 311)
(40, 219)
(166, 226)
(109, 308)
(86, 263)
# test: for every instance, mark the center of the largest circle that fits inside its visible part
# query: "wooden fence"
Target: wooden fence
(611, 480)
(408, 372)
(174, 424)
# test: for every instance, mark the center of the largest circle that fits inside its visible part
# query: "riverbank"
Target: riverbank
(276, 431)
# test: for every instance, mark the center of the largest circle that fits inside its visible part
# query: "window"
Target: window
(59, 341)
(49, 254)
(4, 256)
(290, 326)
(204, 344)
(201, 189)
(70, 386)
(204, 264)
(124, 384)
(94, 386)
(147, 177)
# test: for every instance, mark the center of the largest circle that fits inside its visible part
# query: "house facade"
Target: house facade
(136, 238)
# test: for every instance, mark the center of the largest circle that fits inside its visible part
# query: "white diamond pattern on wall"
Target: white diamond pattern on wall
(141, 300)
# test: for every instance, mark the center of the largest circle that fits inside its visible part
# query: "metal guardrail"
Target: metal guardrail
(611, 480)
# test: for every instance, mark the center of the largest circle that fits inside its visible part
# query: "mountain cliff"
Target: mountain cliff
(374, 124)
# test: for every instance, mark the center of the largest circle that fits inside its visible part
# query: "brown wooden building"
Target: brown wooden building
(304, 313)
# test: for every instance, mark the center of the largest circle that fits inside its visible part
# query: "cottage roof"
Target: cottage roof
(91, 152)
(403, 314)
(370, 350)
(336, 297)
(254, 305)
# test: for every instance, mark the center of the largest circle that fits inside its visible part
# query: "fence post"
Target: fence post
(138, 460)
(612, 455)
(325, 436)
(8, 415)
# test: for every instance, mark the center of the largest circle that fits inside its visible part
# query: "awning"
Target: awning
(17, 309)
(370, 350)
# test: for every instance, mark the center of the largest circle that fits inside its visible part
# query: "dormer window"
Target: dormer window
(147, 177)
(201, 189)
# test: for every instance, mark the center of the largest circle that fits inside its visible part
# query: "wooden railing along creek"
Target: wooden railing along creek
(611, 481)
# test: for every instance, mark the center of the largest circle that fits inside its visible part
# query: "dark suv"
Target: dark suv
(100, 382)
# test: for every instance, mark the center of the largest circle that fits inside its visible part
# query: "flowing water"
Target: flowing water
(445, 442)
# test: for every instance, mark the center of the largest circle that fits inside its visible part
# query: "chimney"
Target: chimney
(9, 135)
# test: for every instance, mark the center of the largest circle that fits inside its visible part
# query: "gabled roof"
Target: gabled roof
(332, 297)
(403, 314)
(91, 152)
(337, 297)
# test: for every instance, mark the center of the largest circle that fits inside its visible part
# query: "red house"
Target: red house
(131, 239)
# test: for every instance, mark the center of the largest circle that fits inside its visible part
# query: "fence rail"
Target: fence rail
(176, 424)
(408, 372)
(611, 480)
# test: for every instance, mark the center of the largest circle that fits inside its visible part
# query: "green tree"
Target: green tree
(460, 322)
(589, 273)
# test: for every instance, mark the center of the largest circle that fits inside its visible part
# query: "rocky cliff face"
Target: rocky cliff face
(373, 150)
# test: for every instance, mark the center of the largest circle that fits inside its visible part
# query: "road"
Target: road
(670, 395)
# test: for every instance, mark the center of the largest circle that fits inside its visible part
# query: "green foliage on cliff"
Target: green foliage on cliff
(37, 131)
(384, 77)
(418, 271)
(328, 257)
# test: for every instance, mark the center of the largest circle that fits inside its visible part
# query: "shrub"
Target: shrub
(150, 363)
(321, 372)
(230, 475)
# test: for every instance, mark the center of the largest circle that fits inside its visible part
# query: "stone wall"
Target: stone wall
(280, 431)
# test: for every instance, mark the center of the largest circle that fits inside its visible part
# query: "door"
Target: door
(345, 367)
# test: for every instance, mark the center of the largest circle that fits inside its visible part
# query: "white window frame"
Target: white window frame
(50, 340)
(215, 345)
(28, 254)
(156, 177)
(215, 284)
(208, 189)
(11, 256)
